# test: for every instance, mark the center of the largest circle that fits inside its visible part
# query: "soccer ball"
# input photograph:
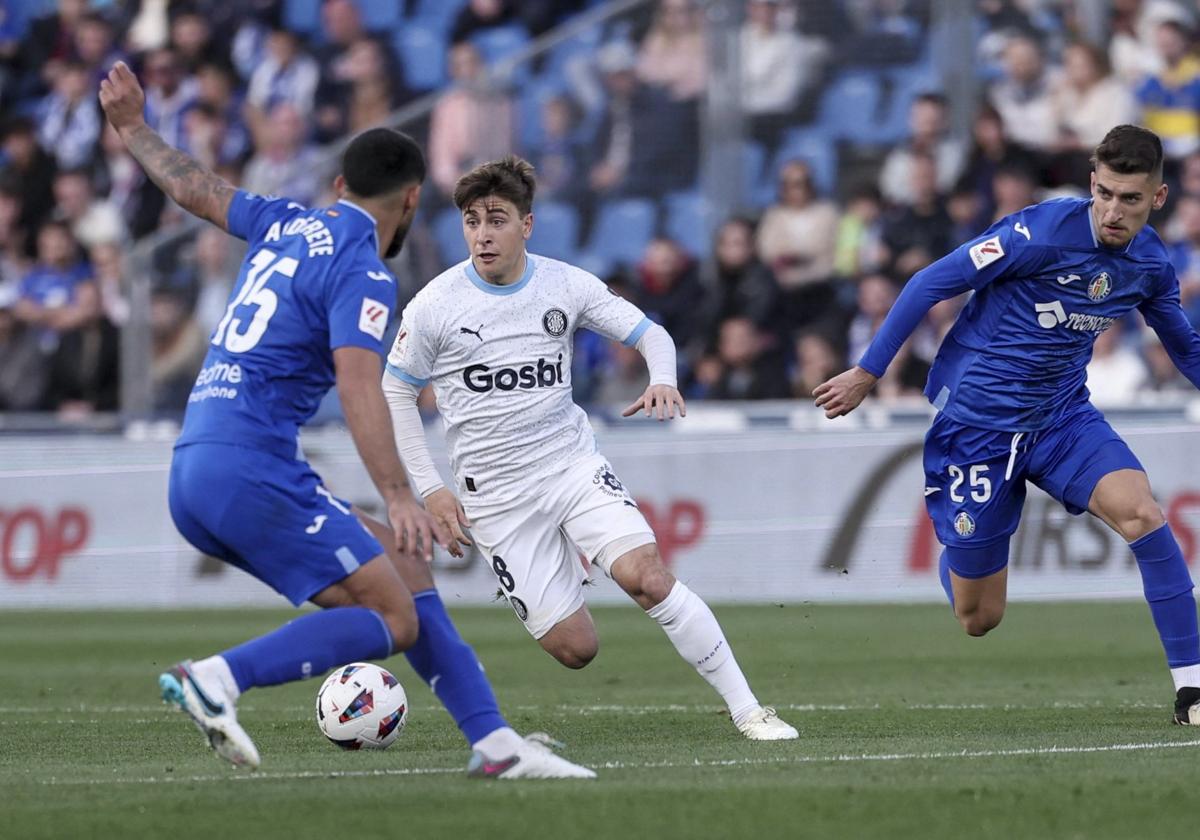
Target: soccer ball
(361, 706)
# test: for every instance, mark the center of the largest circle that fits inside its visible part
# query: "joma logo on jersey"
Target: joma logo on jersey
(543, 374)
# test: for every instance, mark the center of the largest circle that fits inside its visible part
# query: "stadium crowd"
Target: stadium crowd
(854, 180)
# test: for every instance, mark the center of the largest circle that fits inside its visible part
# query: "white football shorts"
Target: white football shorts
(534, 546)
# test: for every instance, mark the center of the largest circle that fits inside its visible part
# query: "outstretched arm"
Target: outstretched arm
(196, 189)
(661, 396)
(1164, 314)
(846, 391)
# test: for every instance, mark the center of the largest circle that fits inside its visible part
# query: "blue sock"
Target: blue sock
(944, 574)
(310, 644)
(1168, 589)
(448, 664)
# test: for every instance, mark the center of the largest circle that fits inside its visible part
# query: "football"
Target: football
(361, 706)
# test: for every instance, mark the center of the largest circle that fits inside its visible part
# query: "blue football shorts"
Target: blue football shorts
(975, 478)
(268, 515)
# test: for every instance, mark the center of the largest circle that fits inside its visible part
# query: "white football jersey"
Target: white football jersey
(499, 358)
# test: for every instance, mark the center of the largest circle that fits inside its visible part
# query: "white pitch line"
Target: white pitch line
(650, 709)
(651, 765)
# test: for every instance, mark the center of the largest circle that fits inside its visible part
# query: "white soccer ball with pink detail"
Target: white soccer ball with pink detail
(362, 706)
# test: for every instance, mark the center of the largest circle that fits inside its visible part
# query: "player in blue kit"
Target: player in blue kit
(309, 310)
(1009, 386)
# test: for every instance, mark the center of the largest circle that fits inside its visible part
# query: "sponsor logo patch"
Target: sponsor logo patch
(986, 252)
(373, 318)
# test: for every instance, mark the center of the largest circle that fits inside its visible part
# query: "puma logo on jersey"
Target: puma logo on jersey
(476, 333)
(317, 525)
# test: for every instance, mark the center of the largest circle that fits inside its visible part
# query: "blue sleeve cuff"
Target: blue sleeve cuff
(638, 332)
(406, 377)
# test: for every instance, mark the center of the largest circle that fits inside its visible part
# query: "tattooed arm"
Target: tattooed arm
(196, 189)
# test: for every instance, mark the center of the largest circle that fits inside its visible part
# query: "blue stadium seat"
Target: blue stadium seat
(689, 223)
(501, 42)
(907, 84)
(754, 158)
(622, 231)
(438, 14)
(533, 96)
(303, 16)
(448, 234)
(555, 230)
(584, 43)
(380, 15)
(850, 107)
(423, 53)
(816, 149)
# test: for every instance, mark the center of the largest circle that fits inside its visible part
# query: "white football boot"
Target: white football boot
(765, 725)
(534, 759)
(212, 711)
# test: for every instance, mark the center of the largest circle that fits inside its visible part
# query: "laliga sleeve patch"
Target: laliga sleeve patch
(373, 318)
(986, 252)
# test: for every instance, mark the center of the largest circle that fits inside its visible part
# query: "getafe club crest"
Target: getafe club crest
(964, 525)
(1100, 286)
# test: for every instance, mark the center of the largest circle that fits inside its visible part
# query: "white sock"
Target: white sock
(693, 629)
(498, 745)
(216, 669)
(1187, 676)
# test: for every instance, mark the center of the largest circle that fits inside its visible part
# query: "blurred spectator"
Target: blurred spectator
(1170, 100)
(224, 134)
(1185, 254)
(860, 232)
(876, 294)
(470, 124)
(777, 66)
(346, 62)
(743, 368)
(669, 289)
(92, 221)
(917, 234)
(285, 164)
(193, 42)
(57, 295)
(108, 270)
(927, 135)
(1116, 371)
(817, 361)
(1022, 96)
(884, 31)
(169, 93)
(1013, 187)
(744, 287)
(287, 74)
(479, 15)
(797, 238)
(375, 87)
(1161, 374)
(69, 121)
(646, 144)
(12, 241)
(214, 267)
(29, 172)
(1088, 99)
(47, 45)
(123, 180)
(559, 153)
(178, 349)
(966, 210)
(1131, 49)
(990, 151)
(95, 46)
(539, 16)
(673, 55)
(22, 366)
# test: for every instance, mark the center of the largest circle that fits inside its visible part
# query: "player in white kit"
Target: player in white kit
(494, 337)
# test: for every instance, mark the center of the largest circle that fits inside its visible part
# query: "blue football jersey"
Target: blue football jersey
(1016, 359)
(312, 281)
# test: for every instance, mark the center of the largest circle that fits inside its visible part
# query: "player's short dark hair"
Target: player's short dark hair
(1130, 149)
(381, 160)
(510, 178)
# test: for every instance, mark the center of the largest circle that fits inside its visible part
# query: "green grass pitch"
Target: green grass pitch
(1056, 725)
